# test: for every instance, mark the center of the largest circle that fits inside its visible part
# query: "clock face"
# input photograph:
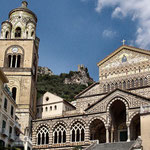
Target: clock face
(14, 49)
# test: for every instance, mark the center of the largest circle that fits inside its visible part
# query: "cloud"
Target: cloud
(139, 10)
(108, 33)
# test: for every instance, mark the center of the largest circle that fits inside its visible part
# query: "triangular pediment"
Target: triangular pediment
(128, 51)
(131, 100)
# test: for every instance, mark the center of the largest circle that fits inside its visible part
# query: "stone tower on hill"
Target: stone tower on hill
(19, 59)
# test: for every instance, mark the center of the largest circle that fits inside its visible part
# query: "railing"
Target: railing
(70, 144)
(145, 109)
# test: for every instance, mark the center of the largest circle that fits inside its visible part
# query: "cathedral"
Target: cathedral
(114, 110)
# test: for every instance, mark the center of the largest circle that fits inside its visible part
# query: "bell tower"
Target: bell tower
(19, 61)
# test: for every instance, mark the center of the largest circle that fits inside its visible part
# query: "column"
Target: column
(112, 134)
(87, 134)
(128, 132)
(11, 61)
(107, 134)
(68, 136)
(51, 137)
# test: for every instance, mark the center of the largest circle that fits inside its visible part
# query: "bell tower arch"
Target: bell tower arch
(19, 61)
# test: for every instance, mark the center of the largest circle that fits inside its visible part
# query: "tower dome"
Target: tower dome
(23, 24)
(23, 11)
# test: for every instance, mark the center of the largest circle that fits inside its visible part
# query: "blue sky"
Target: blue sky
(76, 32)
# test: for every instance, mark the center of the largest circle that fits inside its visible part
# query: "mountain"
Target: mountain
(64, 85)
(44, 71)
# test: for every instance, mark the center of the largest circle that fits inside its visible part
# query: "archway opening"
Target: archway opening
(118, 121)
(135, 127)
(18, 32)
(98, 131)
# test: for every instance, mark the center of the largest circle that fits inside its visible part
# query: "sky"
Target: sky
(76, 32)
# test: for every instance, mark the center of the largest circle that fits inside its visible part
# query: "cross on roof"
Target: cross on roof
(123, 42)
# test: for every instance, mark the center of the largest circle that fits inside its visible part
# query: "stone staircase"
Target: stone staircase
(112, 146)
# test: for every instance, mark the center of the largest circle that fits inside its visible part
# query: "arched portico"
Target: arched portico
(118, 128)
(98, 131)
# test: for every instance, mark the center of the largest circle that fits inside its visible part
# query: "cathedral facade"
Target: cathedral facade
(106, 112)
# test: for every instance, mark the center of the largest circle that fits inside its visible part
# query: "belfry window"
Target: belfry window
(59, 134)
(14, 61)
(6, 35)
(18, 32)
(43, 136)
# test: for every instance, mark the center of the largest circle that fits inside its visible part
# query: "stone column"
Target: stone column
(112, 135)
(50, 137)
(107, 134)
(87, 133)
(68, 136)
(128, 132)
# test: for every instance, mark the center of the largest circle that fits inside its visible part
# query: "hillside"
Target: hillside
(56, 84)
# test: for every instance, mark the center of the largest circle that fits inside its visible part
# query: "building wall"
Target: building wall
(7, 116)
(145, 131)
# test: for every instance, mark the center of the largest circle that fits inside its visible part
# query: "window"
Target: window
(5, 104)
(124, 85)
(10, 131)
(55, 107)
(14, 61)
(14, 91)
(43, 136)
(50, 108)
(18, 32)
(6, 35)
(32, 33)
(12, 111)
(124, 58)
(77, 132)
(4, 124)
(59, 134)
(141, 82)
(46, 109)
(47, 98)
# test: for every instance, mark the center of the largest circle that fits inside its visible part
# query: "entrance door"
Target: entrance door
(123, 135)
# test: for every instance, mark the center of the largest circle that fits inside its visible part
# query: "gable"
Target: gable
(131, 100)
(125, 55)
(49, 98)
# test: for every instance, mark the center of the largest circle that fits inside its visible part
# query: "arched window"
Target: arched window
(141, 82)
(104, 88)
(43, 136)
(112, 86)
(120, 85)
(116, 85)
(128, 84)
(50, 108)
(27, 34)
(124, 85)
(55, 107)
(18, 32)
(18, 61)
(77, 132)
(132, 83)
(145, 81)
(14, 93)
(9, 60)
(14, 61)
(32, 33)
(46, 108)
(108, 88)
(59, 134)
(6, 35)
(136, 83)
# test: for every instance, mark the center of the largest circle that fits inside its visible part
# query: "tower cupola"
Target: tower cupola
(23, 24)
